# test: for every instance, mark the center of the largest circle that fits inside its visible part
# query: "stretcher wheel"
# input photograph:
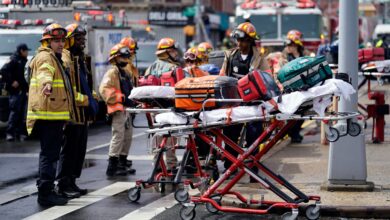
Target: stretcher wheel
(333, 135)
(312, 213)
(288, 216)
(210, 207)
(182, 195)
(354, 129)
(187, 213)
(134, 194)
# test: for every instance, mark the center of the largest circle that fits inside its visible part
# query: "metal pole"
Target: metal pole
(347, 156)
(197, 20)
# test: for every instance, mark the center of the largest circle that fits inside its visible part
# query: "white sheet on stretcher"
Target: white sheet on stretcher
(290, 103)
(143, 92)
(382, 66)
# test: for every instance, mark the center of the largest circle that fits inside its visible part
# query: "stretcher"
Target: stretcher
(281, 118)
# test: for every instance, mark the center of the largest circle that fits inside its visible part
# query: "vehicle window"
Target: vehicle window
(266, 25)
(309, 25)
(146, 53)
(9, 42)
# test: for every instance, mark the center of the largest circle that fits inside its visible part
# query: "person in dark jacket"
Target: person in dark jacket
(17, 87)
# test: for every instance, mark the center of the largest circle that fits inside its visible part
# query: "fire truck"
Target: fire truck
(273, 19)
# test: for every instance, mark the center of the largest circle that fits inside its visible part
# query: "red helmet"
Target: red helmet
(130, 43)
(294, 36)
(245, 29)
(53, 31)
(119, 50)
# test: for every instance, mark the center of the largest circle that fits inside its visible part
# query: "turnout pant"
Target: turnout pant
(73, 152)
(170, 153)
(122, 132)
(51, 136)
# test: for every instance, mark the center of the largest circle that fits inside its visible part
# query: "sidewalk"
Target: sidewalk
(305, 165)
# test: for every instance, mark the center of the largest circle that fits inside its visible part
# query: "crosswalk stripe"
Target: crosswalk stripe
(75, 204)
(153, 209)
(88, 156)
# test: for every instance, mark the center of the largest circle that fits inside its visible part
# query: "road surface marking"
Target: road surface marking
(107, 144)
(16, 194)
(88, 156)
(76, 204)
(153, 209)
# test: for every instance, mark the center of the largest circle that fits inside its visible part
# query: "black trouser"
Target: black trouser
(253, 131)
(17, 107)
(295, 130)
(73, 153)
(51, 135)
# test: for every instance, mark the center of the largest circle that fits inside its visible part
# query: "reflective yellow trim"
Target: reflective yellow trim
(80, 97)
(46, 115)
(49, 67)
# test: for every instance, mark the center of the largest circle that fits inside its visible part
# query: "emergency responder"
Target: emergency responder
(192, 59)
(76, 133)
(49, 108)
(17, 87)
(131, 68)
(238, 62)
(167, 60)
(204, 50)
(294, 49)
(133, 71)
(115, 89)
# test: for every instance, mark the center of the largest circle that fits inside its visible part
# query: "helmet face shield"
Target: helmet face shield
(124, 52)
(238, 34)
(189, 56)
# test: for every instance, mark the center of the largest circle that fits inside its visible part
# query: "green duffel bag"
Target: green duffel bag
(304, 73)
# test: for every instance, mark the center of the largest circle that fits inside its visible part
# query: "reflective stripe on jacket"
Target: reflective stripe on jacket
(46, 69)
(110, 90)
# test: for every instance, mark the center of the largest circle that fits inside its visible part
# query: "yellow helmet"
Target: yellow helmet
(294, 36)
(119, 50)
(73, 30)
(130, 43)
(245, 29)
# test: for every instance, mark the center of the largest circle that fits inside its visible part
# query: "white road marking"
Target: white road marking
(107, 144)
(75, 204)
(88, 156)
(153, 209)
(16, 194)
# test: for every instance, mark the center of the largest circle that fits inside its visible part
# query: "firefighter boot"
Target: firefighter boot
(113, 169)
(124, 164)
(50, 198)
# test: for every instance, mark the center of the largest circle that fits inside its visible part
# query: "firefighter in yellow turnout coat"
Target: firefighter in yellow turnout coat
(115, 88)
(49, 108)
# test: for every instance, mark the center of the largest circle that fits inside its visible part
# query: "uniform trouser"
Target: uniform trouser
(170, 153)
(51, 135)
(122, 132)
(17, 105)
(73, 152)
(295, 130)
(253, 131)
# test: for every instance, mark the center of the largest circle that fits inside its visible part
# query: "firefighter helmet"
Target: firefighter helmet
(130, 43)
(294, 36)
(191, 54)
(119, 50)
(53, 31)
(73, 30)
(166, 43)
(245, 29)
(205, 47)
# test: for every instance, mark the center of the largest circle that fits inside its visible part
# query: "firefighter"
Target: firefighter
(115, 89)
(192, 59)
(49, 108)
(167, 58)
(294, 49)
(76, 133)
(238, 62)
(131, 68)
(204, 50)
